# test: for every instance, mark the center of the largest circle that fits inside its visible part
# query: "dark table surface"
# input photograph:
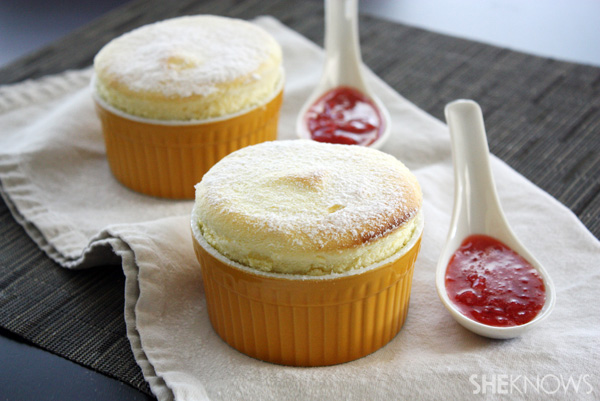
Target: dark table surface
(542, 115)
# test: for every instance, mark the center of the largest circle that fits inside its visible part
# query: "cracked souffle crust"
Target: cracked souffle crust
(304, 207)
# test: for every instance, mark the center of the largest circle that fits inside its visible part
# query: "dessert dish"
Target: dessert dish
(176, 96)
(307, 249)
(300, 208)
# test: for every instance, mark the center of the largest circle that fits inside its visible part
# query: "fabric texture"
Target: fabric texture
(56, 182)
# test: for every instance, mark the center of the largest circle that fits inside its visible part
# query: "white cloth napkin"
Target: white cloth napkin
(56, 181)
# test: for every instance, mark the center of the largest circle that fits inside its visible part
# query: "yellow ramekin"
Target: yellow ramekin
(167, 158)
(304, 320)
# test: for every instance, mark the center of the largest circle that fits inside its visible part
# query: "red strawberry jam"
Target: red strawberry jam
(344, 115)
(491, 284)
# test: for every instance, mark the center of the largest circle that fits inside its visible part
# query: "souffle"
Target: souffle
(189, 68)
(308, 208)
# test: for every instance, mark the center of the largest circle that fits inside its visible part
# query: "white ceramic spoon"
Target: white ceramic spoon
(477, 210)
(343, 63)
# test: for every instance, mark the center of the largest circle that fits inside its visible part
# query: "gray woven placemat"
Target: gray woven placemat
(75, 314)
(542, 116)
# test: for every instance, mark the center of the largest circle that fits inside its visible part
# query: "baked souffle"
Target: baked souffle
(308, 208)
(189, 68)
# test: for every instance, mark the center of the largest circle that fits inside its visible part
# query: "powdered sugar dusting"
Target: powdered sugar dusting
(313, 195)
(188, 55)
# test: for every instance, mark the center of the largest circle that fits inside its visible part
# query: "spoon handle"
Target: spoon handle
(343, 59)
(476, 202)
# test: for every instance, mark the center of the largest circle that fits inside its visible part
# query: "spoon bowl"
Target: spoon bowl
(477, 210)
(343, 64)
